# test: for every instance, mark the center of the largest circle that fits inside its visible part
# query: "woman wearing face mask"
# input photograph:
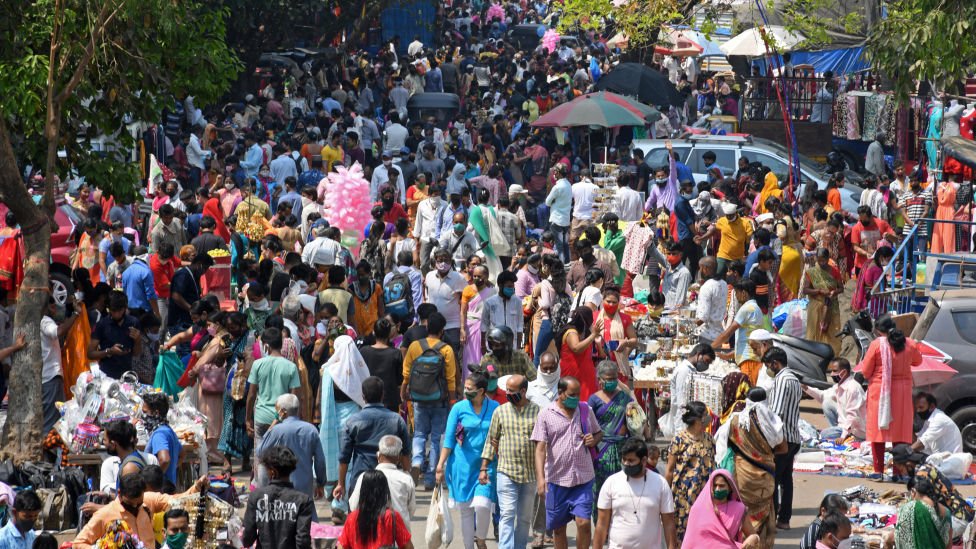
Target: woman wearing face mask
(576, 349)
(691, 460)
(209, 374)
(924, 522)
(227, 193)
(340, 397)
(609, 405)
(265, 185)
(464, 440)
(234, 441)
(619, 334)
(719, 517)
(822, 284)
(870, 275)
(472, 309)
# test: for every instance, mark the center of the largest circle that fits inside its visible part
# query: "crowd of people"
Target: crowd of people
(472, 339)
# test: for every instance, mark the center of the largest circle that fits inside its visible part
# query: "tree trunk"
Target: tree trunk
(22, 438)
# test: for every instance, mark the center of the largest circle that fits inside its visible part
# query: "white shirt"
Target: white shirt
(322, 249)
(560, 200)
(680, 387)
(461, 247)
(425, 226)
(381, 175)
(710, 308)
(415, 48)
(503, 312)
(396, 136)
(940, 434)
(50, 350)
(851, 403)
(403, 492)
(583, 194)
(630, 207)
(445, 294)
(636, 507)
(110, 471)
(195, 153)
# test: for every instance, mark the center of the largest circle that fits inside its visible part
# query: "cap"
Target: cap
(764, 218)
(387, 154)
(760, 335)
(728, 208)
(902, 453)
(517, 189)
(405, 150)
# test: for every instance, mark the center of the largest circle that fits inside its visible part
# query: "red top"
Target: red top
(396, 212)
(868, 238)
(163, 273)
(349, 539)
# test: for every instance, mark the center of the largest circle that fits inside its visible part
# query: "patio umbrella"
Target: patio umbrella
(751, 44)
(932, 372)
(637, 80)
(604, 110)
(709, 48)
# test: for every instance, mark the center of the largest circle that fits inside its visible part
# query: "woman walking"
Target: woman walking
(887, 365)
(472, 308)
(576, 349)
(341, 397)
(691, 459)
(822, 284)
(374, 523)
(464, 440)
(609, 405)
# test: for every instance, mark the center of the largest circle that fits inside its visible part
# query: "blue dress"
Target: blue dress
(464, 464)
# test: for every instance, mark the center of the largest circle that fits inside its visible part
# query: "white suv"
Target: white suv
(729, 149)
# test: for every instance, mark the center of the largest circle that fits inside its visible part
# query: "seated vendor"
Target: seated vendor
(699, 360)
(135, 506)
(844, 404)
(905, 460)
(938, 433)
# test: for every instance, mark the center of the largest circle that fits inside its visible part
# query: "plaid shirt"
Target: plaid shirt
(513, 229)
(511, 429)
(568, 462)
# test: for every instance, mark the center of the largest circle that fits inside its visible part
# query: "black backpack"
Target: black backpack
(560, 312)
(398, 296)
(428, 379)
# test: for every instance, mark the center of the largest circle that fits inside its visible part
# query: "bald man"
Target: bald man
(460, 241)
(712, 301)
(509, 439)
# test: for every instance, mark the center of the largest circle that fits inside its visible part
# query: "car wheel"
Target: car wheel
(61, 287)
(965, 418)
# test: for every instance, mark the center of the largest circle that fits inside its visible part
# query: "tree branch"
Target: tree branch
(105, 17)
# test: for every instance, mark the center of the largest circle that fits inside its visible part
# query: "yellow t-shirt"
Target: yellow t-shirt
(331, 156)
(735, 238)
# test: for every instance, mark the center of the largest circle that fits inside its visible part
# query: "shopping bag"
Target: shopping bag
(168, 372)
(440, 527)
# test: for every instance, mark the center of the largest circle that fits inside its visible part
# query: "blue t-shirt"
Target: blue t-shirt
(164, 438)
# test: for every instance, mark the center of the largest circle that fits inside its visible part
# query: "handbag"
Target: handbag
(213, 379)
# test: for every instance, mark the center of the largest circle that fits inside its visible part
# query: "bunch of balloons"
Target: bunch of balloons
(345, 198)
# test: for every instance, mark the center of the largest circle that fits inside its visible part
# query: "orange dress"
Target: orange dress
(944, 234)
(366, 312)
(902, 410)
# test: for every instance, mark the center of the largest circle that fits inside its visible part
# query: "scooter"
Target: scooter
(808, 359)
(860, 328)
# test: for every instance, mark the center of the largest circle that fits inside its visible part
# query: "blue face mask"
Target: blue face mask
(492, 385)
(508, 292)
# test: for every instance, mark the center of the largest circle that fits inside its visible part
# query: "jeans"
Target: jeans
(515, 503)
(195, 175)
(562, 240)
(428, 421)
(542, 342)
(784, 483)
(831, 433)
(830, 412)
(452, 336)
(260, 471)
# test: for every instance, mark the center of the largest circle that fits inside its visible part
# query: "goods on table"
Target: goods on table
(605, 177)
(707, 389)
(211, 520)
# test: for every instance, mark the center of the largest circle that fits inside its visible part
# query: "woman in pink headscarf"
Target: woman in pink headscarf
(718, 517)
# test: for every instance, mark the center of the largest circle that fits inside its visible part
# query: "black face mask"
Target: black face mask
(701, 366)
(131, 509)
(387, 203)
(455, 203)
(633, 471)
(924, 416)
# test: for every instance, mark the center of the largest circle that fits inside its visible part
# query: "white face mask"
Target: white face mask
(229, 186)
(551, 378)
(845, 543)
(153, 336)
(297, 287)
(531, 269)
(262, 305)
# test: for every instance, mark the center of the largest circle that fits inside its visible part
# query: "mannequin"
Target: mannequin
(967, 125)
(934, 134)
(944, 234)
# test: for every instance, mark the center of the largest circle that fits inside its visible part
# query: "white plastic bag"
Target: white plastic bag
(440, 526)
(953, 466)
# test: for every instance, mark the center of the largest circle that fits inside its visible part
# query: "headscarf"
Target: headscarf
(770, 189)
(212, 208)
(348, 369)
(716, 525)
(945, 494)
(702, 206)
(884, 404)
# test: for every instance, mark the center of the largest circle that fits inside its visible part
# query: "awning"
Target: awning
(839, 61)
(961, 149)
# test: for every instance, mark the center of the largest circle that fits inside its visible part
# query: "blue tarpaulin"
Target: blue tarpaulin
(840, 61)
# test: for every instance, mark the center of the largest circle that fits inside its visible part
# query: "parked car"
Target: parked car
(948, 322)
(728, 150)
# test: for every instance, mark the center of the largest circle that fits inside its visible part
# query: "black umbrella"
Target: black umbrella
(646, 84)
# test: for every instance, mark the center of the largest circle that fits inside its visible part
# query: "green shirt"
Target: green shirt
(511, 429)
(518, 363)
(273, 376)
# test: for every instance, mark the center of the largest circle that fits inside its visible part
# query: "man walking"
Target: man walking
(785, 402)
(303, 439)
(403, 497)
(509, 438)
(563, 464)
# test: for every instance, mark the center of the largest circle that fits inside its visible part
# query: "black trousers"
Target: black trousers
(784, 484)
(693, 254)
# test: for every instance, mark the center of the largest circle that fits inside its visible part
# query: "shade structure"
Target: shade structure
(751, 43)
(646, 84)
(708, 48)
(619, 40)
(602, 109)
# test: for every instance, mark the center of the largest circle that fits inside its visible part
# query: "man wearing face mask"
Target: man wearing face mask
(685, 216)
(677, 277)
(734, 232)
(19, 531)
(938, 433)
(835, 532)
(844, 404)
(663, 190)
(564, 433)
(916, 203)
(635, 508)
(503, 358)
(785, 403)
(505, 310)
(432, 215)
(509, 440)
(587, 260)
(461, 243)
(701, 357)
(382, 175)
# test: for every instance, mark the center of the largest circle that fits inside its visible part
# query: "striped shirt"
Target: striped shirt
(568, 462)
(916, 206)
(785, 402)
(511, 429)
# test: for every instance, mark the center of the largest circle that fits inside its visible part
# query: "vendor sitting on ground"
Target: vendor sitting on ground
(844, 404)
(938, 433)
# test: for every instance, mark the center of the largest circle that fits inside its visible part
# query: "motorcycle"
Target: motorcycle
(808, 359)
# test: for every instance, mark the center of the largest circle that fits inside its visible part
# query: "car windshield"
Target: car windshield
(805, 162)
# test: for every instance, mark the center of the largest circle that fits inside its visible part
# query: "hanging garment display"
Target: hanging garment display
(933, 135)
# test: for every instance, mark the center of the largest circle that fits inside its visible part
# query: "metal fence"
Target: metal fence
(760, 100)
